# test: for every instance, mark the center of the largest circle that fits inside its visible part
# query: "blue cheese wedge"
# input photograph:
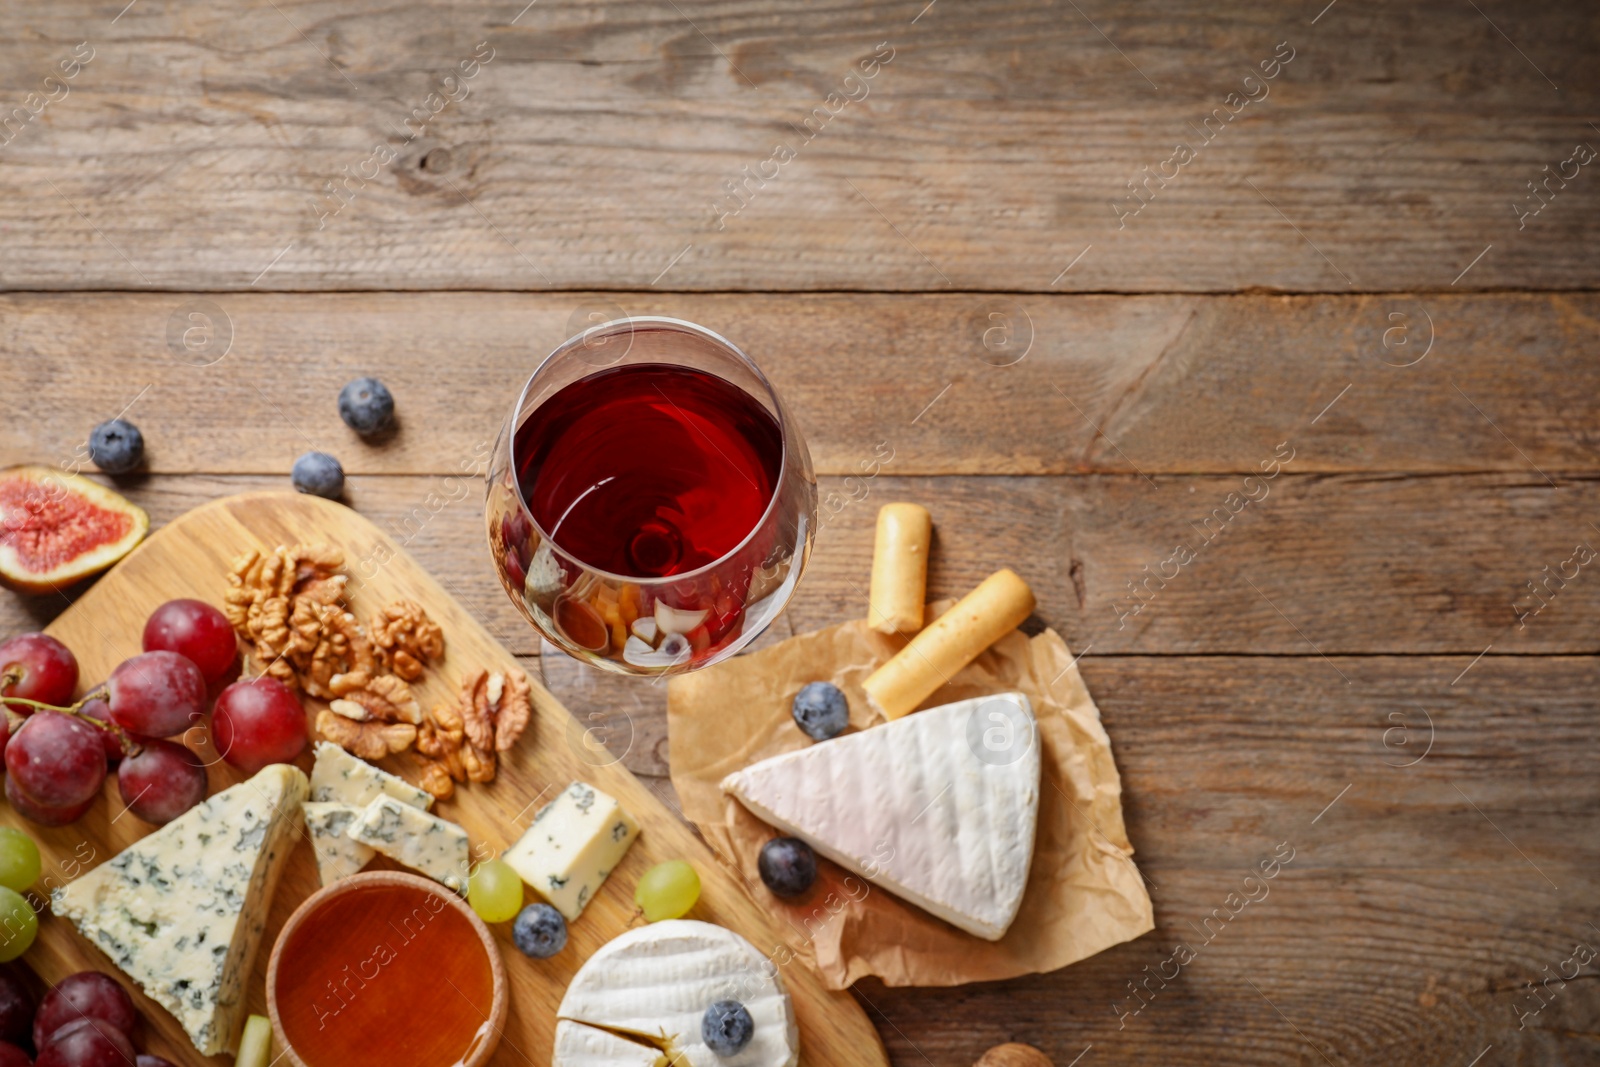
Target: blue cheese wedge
(938, 807)
(654, 983)
(341, 778)
(578, 1045)
(338, 854)
(573, 843)
(425, 843)
(181, 911)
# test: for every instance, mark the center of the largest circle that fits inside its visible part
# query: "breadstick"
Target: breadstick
(899, 569)
(950, 642)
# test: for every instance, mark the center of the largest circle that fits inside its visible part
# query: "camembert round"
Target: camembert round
(654, 983)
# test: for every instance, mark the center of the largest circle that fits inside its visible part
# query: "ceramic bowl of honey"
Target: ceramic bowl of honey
(382, 961)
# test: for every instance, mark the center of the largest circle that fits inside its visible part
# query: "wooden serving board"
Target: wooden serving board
(190, 557)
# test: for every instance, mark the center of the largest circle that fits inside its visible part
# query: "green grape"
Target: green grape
(667, 890)
(19, 859)
(18, 924)
(495, 891)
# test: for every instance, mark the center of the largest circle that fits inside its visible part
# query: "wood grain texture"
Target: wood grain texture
(196, 148)
(190, 558)
(1426, 968)
(1313, 646)
(1153, 384)
(1321, 565)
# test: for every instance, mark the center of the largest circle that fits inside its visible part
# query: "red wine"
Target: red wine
(649, 470)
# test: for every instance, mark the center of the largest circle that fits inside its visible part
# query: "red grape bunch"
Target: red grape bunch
(87, 1020)
(57, 754)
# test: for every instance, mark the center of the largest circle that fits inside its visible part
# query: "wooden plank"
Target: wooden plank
(190, 557)
(1154, 384)
(1415, 967)
(1331, 565)
(595, 144)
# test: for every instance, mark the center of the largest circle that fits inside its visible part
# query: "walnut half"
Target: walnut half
(495, 709)
(462, 739)
(368, 740)
(385, 698)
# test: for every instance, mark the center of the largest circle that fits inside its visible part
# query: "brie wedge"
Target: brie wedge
(578, 1045)
(938, 807)
(181, 911)
(655, 983)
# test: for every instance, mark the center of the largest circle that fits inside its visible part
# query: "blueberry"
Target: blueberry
(116, 446)
(788, 866)
(366, 406)
(539, 931)
(820, 710)
(726, 1027)
(319, 474)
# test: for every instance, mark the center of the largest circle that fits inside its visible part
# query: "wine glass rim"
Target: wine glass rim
(661, 322)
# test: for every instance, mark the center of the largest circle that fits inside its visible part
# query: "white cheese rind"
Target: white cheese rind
(341, 778)
(425, 843)
(578, 1045)
(657, 981)
(338, 854)
(181, 911)
(938, 807)
(573, 843)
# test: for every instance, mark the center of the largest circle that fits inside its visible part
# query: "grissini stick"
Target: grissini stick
(899, 569)
(950, 642)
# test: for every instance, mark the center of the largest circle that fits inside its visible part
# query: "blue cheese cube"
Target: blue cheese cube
(338, 854)
(573, 843)
(412, 837)
(340, 778)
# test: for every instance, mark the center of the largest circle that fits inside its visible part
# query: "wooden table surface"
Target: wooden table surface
(965, 236)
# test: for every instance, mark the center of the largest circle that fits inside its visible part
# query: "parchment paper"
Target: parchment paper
(1084, 893)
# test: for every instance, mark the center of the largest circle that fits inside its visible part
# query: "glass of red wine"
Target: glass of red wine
(651, 503)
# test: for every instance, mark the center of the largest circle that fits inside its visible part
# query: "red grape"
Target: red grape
(12, 1056)
(161, 781)
(37, 667)
(43, 814)
(99, 709)
(57, 760)
(157, 694)
(16, 1008)
(87, 1042)
(145, 1060)
(194, 629)
(259, 722)
(84, 995)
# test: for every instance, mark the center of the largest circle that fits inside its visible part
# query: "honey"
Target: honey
(384, 974)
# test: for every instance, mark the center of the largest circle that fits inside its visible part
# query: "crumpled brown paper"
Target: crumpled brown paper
(1084, 893)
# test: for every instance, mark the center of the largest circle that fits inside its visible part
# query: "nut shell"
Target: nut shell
(1014, 1055)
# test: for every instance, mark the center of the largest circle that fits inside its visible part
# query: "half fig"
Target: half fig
(57, 529)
